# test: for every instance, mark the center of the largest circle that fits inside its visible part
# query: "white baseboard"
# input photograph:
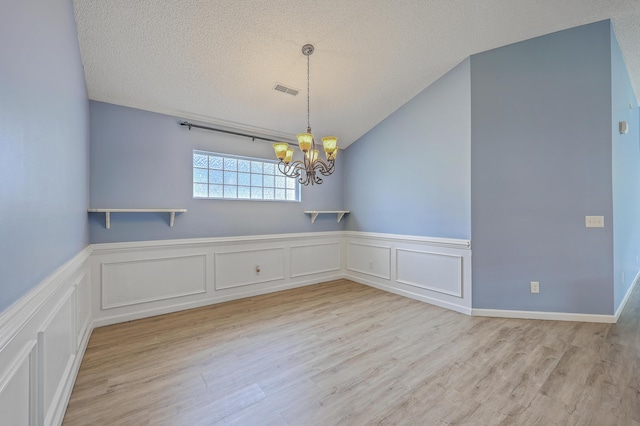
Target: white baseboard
(555, 316)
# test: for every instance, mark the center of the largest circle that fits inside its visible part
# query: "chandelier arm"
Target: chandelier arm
(324, 168)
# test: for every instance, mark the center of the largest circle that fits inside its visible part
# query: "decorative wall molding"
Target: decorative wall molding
(240, 268)
(433, 270)
(369, 259)
(430, 271)
(168, 277)
(232, 268)
(43, 336)
(19, 387)
(43, 339)
(311, 259)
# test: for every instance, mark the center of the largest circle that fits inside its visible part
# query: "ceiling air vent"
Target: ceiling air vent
(284, 89)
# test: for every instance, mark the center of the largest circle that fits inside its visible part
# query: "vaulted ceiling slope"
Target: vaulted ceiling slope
(218, 61)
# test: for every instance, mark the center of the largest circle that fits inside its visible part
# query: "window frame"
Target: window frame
(227, 176)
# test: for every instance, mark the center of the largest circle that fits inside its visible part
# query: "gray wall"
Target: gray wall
(43, 144)
(541, 161)
(411, 173)
(626, 177)
(141, 159)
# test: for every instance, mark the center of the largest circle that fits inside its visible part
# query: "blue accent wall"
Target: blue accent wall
(626, 176)
(540, 162)
(141, 159)
(44, 136)
(411, 173)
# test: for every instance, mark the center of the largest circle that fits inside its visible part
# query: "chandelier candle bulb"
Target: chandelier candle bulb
(281, 150)
(288, 156)
(305, 140)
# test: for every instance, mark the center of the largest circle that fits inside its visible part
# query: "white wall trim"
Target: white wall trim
(432, 241)
(537, 315)
(48, 314)
(626, 297)
(15, 316)
(102, 248)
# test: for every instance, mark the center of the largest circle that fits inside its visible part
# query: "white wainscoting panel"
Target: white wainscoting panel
(240, 268)
(430, 271)
(312, 259)
(57, 346)
(139, 281)
(369, 259)
(42, 343)
(433, 270)
(83, 306)
(18, 388)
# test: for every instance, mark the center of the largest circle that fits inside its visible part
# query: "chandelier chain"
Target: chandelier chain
(308, 93)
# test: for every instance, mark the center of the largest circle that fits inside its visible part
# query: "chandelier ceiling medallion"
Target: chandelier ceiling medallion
(309, 169)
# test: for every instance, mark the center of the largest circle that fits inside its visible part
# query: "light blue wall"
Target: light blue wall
(540, 161)
(411, 173)
(141, 159)
(626, 176)
(43, 144)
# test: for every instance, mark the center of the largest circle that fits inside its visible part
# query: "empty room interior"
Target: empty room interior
(319, 212)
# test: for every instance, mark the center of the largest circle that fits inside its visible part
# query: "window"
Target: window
(240, 178)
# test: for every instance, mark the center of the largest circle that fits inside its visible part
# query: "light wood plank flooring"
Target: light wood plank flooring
(344, 353)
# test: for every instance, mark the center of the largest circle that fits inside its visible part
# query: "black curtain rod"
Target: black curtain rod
(253, 137)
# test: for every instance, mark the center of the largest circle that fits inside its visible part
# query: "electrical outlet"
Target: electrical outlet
(535, 287)
(623, 278)
(594, 221)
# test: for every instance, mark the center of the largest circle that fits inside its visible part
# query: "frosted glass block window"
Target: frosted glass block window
(231, 177)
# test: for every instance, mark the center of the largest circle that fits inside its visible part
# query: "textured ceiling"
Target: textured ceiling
(217, 61)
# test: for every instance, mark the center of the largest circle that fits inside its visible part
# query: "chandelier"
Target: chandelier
(309, 169)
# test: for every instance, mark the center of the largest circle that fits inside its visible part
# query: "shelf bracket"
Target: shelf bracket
(340, 216)
(172, 218)
(107, 217)
(313, 217)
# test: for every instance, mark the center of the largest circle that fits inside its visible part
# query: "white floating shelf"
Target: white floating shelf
(314, 213)
(107, 213)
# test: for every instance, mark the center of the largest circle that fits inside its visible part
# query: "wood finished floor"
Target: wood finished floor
(343, 353)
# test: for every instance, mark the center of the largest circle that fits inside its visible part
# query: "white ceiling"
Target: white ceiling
(217, 61)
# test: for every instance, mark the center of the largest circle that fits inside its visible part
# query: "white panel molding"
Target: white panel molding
(106, 248)
(432, 241)
(310, 259)
(231, 269)
(47, 315)
(21, 374)
(354, 261)
(57, 349)
(415, 271)
(18, 314)
(448, 264)
(108, 287)
(555, 316)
